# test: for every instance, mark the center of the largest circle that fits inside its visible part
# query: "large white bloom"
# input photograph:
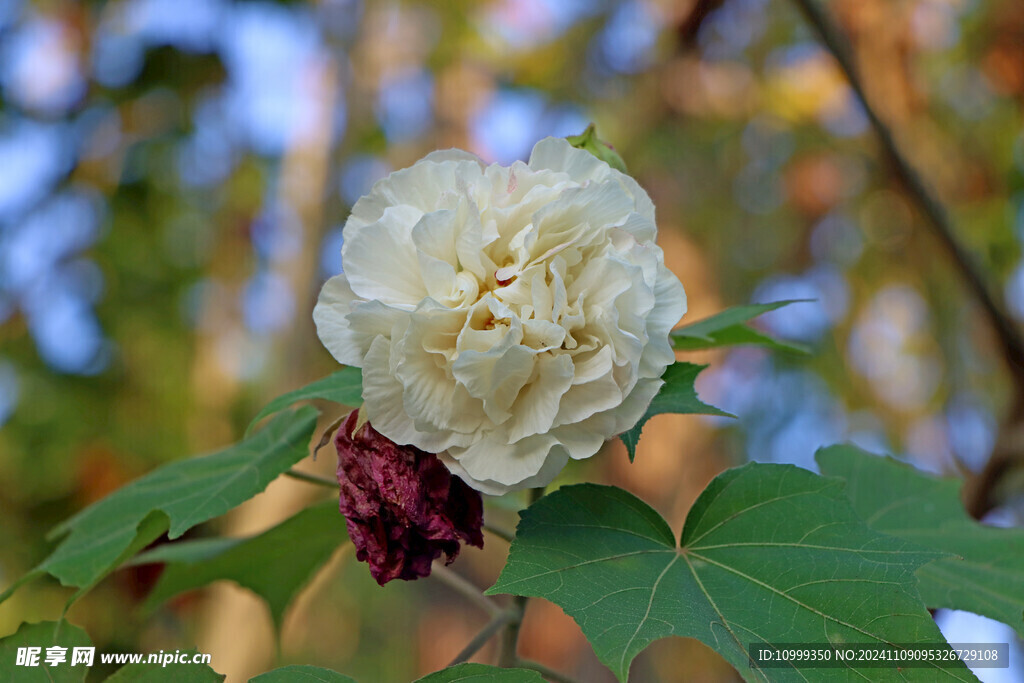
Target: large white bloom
(505, 318)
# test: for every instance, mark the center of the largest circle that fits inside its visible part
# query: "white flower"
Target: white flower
(505, 318)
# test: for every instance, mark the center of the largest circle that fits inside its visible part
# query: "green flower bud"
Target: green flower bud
(588, 141)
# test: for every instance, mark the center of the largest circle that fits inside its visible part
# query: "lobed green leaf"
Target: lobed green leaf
(677, 395)
(172, 498)
(986, 576)
(301, 674)
(143, 672)
(275, 564)
(481, 673)
(768, 553)
(344, 387)
(43, 635)
(729, 328)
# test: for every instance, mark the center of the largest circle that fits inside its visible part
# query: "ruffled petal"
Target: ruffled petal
(537, 403)
(558, 155)
(491, 459)
(424, 186)
(381, 261)
(382, 399)
(669, 308)
(594, 388)
(331, 318)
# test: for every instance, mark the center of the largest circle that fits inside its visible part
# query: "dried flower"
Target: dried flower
(402, 506)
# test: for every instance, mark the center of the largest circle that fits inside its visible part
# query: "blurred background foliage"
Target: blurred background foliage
(175, 174)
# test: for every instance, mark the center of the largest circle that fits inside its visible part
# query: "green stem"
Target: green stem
(1008, 335)
(510, 638)
(507, 657)
(465, 588)
(312, 479)
(980, 491)
(546, 672)
(501, 533)
(485, 634)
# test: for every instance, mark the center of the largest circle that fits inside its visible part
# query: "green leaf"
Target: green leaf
(481, 673)
(43, 635)
(677, 395)
(301, 674)
(344, 387)
(986, 577)
(274, 564)
(174, 497)
(729, 328)
(769, 553)
(166, 673)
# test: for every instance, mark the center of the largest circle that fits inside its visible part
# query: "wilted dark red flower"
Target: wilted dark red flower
(402, 506)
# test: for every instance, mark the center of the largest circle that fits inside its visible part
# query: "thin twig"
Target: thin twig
(545, 671)
(498, 531)
(1009, 336)
(485, 634)
(689, 28)
(312, 479)
(510, 636)
(507, 656)
(465, 588)
(980, 496)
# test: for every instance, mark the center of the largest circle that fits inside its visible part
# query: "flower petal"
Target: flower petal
(669, 308)
(423, 186)
(537, 403)
(558, 155)
(498, 463)
(430, 395)
(496, 376)
(594, 388)
(380, 261)
(331, 318)
(382, 399)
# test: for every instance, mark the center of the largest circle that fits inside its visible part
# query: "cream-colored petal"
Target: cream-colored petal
(425, 186)
(471, 241)
(669, 307)
(537, 403)
(492, 459)
(594, 389)
(495, 376)
(635, 405)
(579, 214)
(436, 233)
(382, 399)
(555, 461)
(331, 318)
(371, 319)
(431, 396)
(380, 261)
(453, 154)
(581, 441)
(557, 154)
(490, 488)
(542, 335)
(602, 281)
